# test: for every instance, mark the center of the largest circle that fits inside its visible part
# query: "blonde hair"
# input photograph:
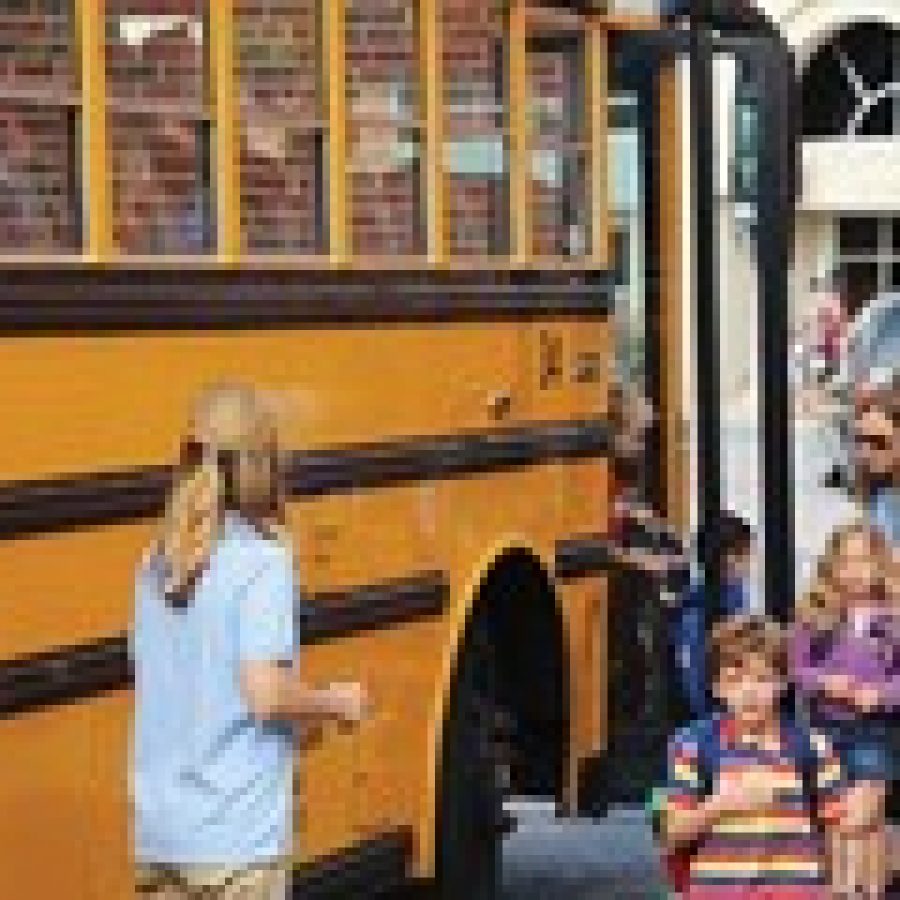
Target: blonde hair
(824, 604)
(231, 460)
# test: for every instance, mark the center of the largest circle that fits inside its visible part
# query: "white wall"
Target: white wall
(846, 175)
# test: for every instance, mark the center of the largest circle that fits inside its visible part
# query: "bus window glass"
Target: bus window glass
(629, 225)
(559, 154)
(476, 114)
(281, 136)
(384, 127)
(158, 125)
(39, 179)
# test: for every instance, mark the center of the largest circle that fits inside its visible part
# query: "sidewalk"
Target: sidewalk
(577, 859)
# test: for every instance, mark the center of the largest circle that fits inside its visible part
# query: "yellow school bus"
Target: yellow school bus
(398, 216)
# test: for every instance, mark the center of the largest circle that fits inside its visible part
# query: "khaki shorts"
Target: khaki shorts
(266, 881)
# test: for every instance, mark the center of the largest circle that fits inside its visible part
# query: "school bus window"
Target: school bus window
(39, 127)
(159, 129)
(384, 127)
(282, 139)
(558, 170)
(476, 115)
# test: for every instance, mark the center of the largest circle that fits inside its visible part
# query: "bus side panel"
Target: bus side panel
(570, 368)
(400, 667)
(46, 823)
(68, 588)
(93, 403)
(350, 539)
(109, 841)
(586, 603)
(587, 512)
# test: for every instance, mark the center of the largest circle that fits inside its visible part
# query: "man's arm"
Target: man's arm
(273, 691)
(269, 675)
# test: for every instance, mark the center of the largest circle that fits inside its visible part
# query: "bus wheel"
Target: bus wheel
(470, 822)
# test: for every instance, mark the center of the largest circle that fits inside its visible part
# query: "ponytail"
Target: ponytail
(230, 463)
(189, 528)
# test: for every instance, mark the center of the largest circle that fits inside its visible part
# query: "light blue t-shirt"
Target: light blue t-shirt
(885, 514)
(212, 785)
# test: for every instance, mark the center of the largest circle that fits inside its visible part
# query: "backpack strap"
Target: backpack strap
(805, 756)
(707, 733)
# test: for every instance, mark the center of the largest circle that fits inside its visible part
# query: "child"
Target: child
(846, 659)
(750, 792)
(698, 613)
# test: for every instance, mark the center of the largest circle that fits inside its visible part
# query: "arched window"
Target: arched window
(851, 86)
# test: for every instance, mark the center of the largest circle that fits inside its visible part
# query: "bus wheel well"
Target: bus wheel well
(516, 609)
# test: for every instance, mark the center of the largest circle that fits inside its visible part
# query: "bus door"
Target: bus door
(701, 182)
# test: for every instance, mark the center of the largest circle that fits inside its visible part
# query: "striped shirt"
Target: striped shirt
(778, 846)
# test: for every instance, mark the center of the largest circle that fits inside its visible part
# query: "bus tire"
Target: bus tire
(470, 816)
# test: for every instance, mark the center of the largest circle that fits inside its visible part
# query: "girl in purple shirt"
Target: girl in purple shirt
(846, 664)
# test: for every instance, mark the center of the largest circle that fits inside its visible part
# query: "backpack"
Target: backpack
(706, 735)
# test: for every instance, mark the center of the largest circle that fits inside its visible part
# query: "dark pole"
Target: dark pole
(706, 298)
(777, 167)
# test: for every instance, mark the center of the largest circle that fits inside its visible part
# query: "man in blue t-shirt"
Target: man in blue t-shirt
(216, 693)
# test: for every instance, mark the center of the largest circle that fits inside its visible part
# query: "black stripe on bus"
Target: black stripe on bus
(67, 674)
(340, 614)
(71, 502)
(82, 299)
(64, 674)
(583, 557)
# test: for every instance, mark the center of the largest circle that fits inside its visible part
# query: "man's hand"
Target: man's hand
(348, 701)
(277, 692)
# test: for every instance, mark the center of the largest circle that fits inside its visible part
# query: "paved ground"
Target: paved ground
(550, 859)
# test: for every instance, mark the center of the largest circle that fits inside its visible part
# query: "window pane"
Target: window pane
(858, 235)
(38, 179)
(155, 50)
(475, 152)
(281, 134)
(383, 126)
(895, 277)
(558, 163)
(895, 236)
(160, 189)
(746, 139)
(38, 127)
(159, 134)
(863, 280)
(37, 45)
(879, 121)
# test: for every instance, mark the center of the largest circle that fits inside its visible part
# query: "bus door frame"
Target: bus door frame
(769, 58)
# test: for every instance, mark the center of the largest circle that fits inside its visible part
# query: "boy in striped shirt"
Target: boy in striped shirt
(750, 793)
